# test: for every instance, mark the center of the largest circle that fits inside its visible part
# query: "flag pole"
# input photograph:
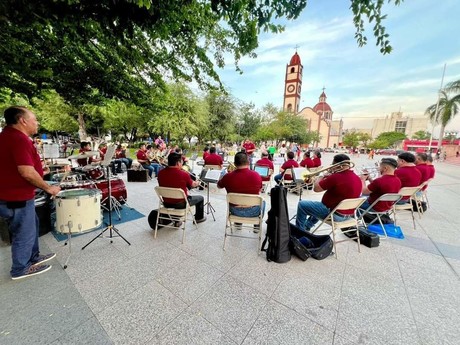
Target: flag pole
(436, 112)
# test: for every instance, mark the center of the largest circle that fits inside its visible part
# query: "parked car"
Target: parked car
(387, 152)
(328, 149)
(341, 150)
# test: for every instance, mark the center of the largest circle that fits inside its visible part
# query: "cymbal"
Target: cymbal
(84, 155)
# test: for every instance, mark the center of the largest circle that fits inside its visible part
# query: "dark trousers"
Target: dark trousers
(194, 200)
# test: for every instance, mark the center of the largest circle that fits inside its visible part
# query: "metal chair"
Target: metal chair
(246, 200)
(390, 198)
(348, 225)
(173, 214)
(410, 193)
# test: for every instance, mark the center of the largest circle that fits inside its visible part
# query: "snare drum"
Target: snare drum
(78, 210)
(78, 184)
(94, 172)
(66, 177)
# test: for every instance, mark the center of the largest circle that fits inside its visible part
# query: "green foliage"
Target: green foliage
(421, 135)
(222, 117)
(387, 139)
(354, 139)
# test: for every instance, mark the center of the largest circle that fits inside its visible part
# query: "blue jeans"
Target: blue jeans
(278, 178)
(149, 168)
(315, 210)
(252, 211)
(23, 226)
(127, 161)
(156, 167)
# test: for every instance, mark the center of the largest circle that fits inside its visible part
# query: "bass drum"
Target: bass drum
(118, 190)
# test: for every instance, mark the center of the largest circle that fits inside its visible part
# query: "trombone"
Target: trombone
(332, 169)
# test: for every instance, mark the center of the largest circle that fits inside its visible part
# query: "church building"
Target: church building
(320, 116)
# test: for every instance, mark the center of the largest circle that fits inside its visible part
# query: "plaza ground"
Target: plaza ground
(159, 291)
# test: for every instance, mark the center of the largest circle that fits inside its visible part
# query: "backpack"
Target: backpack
(278, 229)
(305, 244)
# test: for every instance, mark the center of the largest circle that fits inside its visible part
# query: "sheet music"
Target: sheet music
(297, 174)
(212, 176)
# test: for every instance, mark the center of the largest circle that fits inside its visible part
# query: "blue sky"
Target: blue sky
(361, 83)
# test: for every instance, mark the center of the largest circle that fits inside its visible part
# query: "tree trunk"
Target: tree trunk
(441, 136)
(82, 127)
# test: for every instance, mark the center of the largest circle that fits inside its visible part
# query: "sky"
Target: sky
(360, 83)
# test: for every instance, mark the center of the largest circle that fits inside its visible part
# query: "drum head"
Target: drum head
(77, 193)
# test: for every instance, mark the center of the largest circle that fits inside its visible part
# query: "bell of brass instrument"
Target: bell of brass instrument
(332, 169)
(231, 167)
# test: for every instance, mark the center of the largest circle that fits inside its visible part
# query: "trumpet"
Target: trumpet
(332, 169)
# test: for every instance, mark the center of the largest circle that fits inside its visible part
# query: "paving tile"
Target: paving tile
(231, 306)
(89, 332)
(375, 309)
(190, 328)
(278, 324)
(313, 292)
(139, 316)
(190, 279)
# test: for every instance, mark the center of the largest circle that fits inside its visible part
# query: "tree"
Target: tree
(447, 108)
(222, 116)
(365, 138)
(421, 135)
(351, 138)
(387, 139)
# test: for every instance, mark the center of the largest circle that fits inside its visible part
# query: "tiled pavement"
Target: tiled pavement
(159, 291)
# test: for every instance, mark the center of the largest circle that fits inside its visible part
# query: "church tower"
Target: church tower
(293, 84)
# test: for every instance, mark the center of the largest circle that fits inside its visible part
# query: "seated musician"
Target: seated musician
(316, 159)
(174, 177)
(205, 152)
(340, 184)
(307, 162)
(86, 147)
(152, 154)
(213, 158)
(421, 160)
(429, 163)
(243, 180)
(290, 163)
(120, 153)
(265, 162)
(143, 159)
(409, 175)
(115, 164)
(386, 183)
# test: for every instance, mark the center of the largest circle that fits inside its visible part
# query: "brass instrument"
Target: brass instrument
(231, 167)
(332, 169)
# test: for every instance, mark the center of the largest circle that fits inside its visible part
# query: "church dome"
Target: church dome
(321, 106)
(295, 59)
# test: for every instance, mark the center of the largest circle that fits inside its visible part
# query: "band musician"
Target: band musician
(265, 162)
(386, 183)
(120, 153)
(174, 177)
(115, 164)
(290, 163)
(84, 148)
(409, 175)
(339, 185)
(316, 159)
(245, 181)
(250, 148)
(307, 162)
(143, 159)
(213, 158)
(421, 160)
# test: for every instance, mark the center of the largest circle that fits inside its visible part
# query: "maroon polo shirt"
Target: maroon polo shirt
(425, 171)
(265, 162)
(307, 163)
(290, 163)
(383, 185)
(410, 176)
(213, 159)
(316, 162)
(249, 147)
(17, 149)
(241, 181)
(340, 186)
(175, 177)
(142, 155)
(431, 170)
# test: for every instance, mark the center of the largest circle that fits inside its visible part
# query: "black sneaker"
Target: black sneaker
(43, 258)
(33, 270)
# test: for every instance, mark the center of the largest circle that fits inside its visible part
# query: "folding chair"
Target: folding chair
(422, 195)
(347, 225)
(406, 192)
(173, 214)
(245, 200)
(288, 182)
(389, 197)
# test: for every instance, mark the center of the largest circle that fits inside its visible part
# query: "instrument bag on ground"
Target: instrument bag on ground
(305, 244)
(278, 234)
(152, 219)
(367, 238)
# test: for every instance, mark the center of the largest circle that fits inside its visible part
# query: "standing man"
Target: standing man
(246, 181)
(340, 185)
(174, 177)
(249, 146)
(20, 175)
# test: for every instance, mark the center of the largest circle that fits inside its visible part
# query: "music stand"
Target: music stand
(297, 177)
(106, 163)
(210, 176)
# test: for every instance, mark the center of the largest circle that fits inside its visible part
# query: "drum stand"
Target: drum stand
(209, 209)
(110, 226)
(69, 240)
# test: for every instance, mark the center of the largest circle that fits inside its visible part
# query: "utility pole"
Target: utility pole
(436, 112)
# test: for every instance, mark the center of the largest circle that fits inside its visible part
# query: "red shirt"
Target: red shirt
(290, 163)
(340, 186)
(316, 162)
(265, 162)
(120, 153)
(213, 159)
(307, 163)
(431, 170)
(410, 176)
(17, 149)
(249, 147)
(102, 152)
(241, 181)
(425, 171)
(175, 177)
(142, 155)
(205, 154)
(383, 185)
